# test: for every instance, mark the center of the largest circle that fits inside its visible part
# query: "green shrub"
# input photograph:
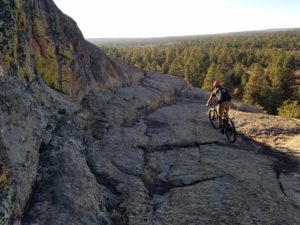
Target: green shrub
(117, 217)
(290, 109)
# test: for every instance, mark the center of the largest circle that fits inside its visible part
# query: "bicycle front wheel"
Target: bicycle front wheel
(230, 131)
(214, 118)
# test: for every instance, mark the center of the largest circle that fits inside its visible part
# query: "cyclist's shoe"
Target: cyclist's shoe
(221, 129)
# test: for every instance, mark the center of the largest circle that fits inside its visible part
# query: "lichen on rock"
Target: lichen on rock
(5, 204)
(44, 55)
(1, 73)
(4, 176)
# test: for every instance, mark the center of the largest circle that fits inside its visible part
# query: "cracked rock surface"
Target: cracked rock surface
(158, 162)
(194, 177)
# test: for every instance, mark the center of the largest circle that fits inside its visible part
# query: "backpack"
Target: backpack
(223, 95)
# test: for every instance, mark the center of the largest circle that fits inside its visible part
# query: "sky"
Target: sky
(161, 18)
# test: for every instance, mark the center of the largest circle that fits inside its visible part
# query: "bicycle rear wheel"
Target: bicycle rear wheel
(230, 131)
(214, 118)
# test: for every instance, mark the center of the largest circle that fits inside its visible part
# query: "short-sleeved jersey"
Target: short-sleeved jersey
(222, 94)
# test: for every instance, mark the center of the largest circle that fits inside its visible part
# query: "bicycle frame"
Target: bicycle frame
(229, 127)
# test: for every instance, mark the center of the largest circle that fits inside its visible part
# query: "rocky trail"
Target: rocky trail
(151, 158)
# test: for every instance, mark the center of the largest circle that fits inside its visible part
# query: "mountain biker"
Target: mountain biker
(224, 98)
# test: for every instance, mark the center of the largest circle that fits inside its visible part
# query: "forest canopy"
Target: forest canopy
(260, 68)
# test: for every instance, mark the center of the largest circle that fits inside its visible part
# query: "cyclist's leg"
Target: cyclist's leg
(226, 109)
(221, 114)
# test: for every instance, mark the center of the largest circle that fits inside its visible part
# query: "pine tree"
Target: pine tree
(213, 73)
(165, 67)
(177, 68)
(238, 71)
(188, 73)
(281, 89)
(192, 71)
(239, 80)
(257, 89)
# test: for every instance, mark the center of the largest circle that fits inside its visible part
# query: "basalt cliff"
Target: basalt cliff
(89, 140)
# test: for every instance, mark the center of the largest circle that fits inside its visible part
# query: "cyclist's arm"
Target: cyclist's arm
(209, 99)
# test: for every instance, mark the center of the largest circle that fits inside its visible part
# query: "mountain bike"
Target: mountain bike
(229, 128)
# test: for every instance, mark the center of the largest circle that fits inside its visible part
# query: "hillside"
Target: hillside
(112, 146)
(133, 42)
(240, 60)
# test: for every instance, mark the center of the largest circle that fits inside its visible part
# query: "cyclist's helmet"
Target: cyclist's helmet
(217, 84)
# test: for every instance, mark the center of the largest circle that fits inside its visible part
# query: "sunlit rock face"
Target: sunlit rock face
(38, 41)
(85, 139)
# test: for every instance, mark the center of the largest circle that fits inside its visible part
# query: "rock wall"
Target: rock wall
(39, 42)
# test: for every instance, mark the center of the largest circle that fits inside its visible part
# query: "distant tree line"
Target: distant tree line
(262, 69)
